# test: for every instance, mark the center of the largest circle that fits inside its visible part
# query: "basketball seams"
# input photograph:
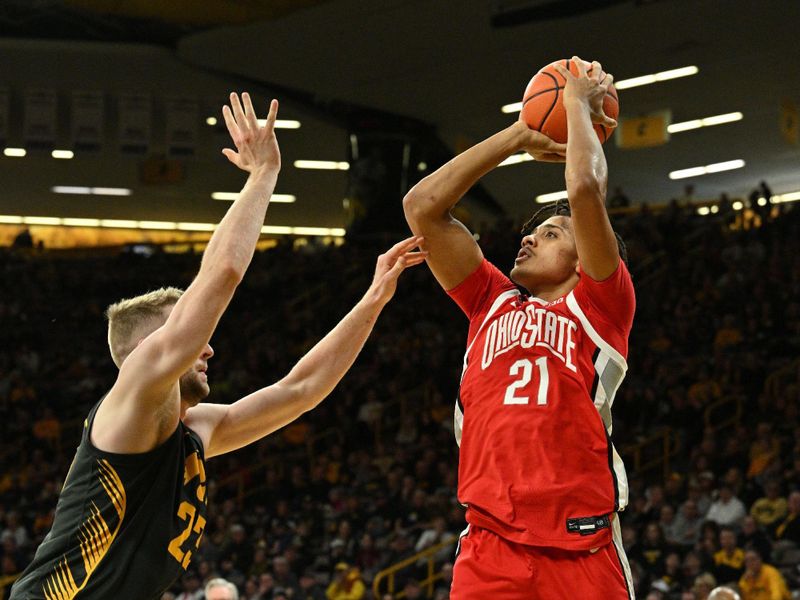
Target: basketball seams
(555, 100)
(532, 96)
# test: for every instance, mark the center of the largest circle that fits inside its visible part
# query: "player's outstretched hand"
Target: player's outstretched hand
(393, 262)
(539, 146)
(588, 88)
(256, 146)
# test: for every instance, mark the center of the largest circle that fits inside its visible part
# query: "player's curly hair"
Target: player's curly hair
(561, 208)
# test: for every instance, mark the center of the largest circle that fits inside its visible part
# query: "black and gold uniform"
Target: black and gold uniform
(125, 526)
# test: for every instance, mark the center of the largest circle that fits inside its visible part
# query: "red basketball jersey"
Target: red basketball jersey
(533, 416)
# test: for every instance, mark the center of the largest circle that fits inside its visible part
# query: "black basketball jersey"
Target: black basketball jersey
(125, 526)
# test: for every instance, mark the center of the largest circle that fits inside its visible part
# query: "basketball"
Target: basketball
(543, 107)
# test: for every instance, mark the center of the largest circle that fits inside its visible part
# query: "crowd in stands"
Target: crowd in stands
(368, 478)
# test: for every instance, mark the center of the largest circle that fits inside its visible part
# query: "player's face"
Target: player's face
(194, 383)
(547, 256)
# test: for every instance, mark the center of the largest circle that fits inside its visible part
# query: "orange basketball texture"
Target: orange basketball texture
(543, 107)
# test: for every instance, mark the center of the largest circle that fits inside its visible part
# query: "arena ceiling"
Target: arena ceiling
(453, 63)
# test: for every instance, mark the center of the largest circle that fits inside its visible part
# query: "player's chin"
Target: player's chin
(518, 275)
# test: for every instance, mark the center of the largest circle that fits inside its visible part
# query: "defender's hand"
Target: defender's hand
(391, 264)
(590, 89)
(256, 146)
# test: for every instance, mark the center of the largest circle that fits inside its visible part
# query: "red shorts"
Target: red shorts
(489, 567)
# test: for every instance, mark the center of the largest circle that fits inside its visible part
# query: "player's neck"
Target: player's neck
(553, 291)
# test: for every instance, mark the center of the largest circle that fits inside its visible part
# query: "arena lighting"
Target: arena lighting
(231, 196)
(790, 197)
(624, 84)
(322, 164)
(712, 168)
(15, 152)
(738, 205)
(515, 159)
(67, 154)
(72, 222)
(703, 210)
(95, 191)
(162, 225)
(41, 220)
(211, 121)
(282, 123)
(707, 122)
(552, 197)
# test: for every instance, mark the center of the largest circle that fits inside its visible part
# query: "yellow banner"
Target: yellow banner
(643, 132)
(789, 122)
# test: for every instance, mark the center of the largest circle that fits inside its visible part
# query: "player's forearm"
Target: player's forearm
(436, 194)
(586, 170)
(320, 370)
(234, 240)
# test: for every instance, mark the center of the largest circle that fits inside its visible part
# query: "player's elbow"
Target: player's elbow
(420, 207)
(229, 274)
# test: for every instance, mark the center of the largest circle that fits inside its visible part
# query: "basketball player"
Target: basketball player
(537, 471)
(132, 510)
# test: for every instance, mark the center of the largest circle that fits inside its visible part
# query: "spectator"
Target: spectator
(789, 527)
(761, 581)
(346, 584)
(727, 509)
(687, 525)
(771, 508)
(283, 575)
(723, 593)
(220, 589)
(309, 587)
(703, 584)
(753, 537)
(729, 560)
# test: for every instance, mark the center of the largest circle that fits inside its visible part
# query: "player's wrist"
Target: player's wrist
(521, 135)
(575, 102)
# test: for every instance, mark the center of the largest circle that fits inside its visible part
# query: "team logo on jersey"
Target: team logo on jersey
(95, 537)
(534, 326)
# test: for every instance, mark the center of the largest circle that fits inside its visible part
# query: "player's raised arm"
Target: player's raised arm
(225, 428)
(453, 252)
(131, 416)
(586, 170)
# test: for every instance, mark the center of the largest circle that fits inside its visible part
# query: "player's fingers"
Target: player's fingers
(597, 70)
(231, 156)
(564, 73)
(579, 66)
(608, 121)
(230, 123)
(415, 259)
(238, 113)
(250, 112)
(554, 147)
(397, 268)
(608, 80)
(551, 157)
(403, 246)
(272, 116)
